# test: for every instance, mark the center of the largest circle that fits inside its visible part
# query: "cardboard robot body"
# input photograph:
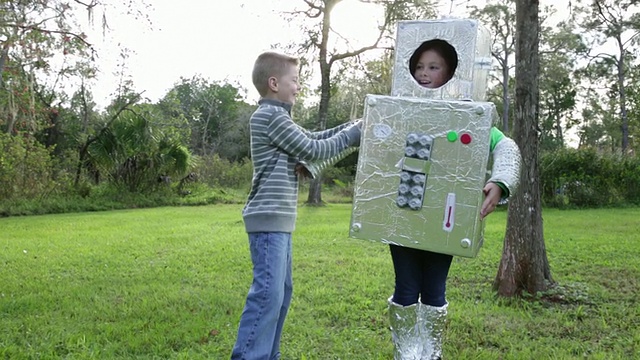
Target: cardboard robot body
(429, 200)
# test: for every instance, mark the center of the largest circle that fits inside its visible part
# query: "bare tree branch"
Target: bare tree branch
(89, 6)
(47, 31)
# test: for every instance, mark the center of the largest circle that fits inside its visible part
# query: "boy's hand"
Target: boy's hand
(354, 132)
(492, 193)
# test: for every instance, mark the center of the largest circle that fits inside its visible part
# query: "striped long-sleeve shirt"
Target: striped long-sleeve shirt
(277, 144)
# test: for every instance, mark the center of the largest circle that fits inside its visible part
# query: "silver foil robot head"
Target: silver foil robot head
(472, 44)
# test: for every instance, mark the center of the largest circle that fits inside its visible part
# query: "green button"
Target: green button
(452, 136)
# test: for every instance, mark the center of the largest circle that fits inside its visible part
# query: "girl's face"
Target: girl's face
(432, 70)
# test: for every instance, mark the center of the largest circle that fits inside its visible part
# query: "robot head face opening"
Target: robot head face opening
(433, 63)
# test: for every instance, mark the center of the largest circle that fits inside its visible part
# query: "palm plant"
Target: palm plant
(134, 154)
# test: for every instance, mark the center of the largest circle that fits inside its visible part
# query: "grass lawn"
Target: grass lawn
(170, 283)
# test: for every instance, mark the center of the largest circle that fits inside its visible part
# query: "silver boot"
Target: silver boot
(431, 324)
(404, 331)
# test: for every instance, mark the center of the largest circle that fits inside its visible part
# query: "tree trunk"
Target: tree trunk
(524, 265)
(505, 93)
(624, 127)
(559, 133)
(315, 192)
(315, 187)
(4, 57)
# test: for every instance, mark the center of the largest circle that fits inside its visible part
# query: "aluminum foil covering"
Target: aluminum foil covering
(417, 330)
(472, 42)
(445, 218)
(405, 335)
(506, 164)
(432, 321)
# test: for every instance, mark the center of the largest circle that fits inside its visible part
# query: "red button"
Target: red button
(465, 138)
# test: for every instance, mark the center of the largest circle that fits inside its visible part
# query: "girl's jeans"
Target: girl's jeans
(268, 299)
(420, 275)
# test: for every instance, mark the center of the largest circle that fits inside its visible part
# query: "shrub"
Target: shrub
(219, 172)
(585, 178)
(25, 167)
(628, 176)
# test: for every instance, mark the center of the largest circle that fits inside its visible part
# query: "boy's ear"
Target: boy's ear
(273, 84)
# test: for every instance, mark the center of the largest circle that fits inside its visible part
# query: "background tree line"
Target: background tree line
(56, 143)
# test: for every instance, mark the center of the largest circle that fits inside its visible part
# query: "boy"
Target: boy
(418, 306)
(277, 144)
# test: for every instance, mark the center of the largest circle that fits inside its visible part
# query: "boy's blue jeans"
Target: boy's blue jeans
(268, 299)
(419, 274)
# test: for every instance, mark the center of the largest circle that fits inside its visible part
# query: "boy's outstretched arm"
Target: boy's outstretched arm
(293, 139)
(324, 134)
(310, 170)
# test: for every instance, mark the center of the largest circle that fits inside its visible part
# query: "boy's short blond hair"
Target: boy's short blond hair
(270, 64)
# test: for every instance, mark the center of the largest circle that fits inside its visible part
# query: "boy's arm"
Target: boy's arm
(287, 135)
(324, 134)
(312, 169)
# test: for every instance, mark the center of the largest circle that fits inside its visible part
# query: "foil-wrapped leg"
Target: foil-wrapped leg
(506, 164)
(315, 168)
(431, 325)
(404, 331)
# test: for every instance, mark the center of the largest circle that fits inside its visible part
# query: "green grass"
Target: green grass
(170, 283)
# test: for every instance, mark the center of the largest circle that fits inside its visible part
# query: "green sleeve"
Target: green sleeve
(496, 136)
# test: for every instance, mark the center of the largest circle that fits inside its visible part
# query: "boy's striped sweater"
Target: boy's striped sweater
(277, 144)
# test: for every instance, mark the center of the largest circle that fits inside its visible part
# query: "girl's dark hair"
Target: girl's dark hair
(443, 49)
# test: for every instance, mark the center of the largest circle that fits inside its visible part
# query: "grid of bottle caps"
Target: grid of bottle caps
(413, 178)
